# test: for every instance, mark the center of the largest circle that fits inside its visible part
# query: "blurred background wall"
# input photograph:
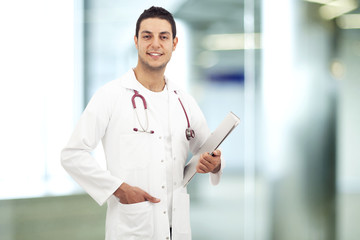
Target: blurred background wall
(288, 68)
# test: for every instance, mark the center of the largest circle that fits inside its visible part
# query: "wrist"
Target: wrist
(121, 190)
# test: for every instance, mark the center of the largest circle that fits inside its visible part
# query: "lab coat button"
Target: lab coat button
(164, 212)
(167, 238)
(162, 160)
(163, 187)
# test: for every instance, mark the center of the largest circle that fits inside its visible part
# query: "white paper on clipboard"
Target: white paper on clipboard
(211, 144)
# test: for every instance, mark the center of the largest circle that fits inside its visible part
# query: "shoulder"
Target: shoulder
(110, 88)
(108, 95)
(115, 87)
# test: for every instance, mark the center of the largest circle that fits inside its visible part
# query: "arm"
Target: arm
(76, 157)
(207, 163)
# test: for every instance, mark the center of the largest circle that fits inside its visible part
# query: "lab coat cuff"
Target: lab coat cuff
(109, 192)
(215, 177)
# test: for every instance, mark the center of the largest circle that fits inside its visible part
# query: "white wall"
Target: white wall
(36, 94)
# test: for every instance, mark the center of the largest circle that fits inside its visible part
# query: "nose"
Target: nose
(156, 42)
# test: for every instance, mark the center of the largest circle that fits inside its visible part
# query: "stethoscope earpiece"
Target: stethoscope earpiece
(137, 130)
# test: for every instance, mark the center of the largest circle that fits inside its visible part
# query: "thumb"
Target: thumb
(217, 152)
(150, 198)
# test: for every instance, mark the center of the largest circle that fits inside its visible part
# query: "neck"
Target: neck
(152, 80)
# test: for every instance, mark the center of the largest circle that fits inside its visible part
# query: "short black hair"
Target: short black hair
(156, 12)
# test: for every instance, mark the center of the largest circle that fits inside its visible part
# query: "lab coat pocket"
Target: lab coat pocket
(136, 221)
(181, 214)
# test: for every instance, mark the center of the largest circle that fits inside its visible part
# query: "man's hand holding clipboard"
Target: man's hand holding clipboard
(209, 162)
(209, 147)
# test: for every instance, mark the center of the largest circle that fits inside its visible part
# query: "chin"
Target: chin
(156, 67)
(153, 66)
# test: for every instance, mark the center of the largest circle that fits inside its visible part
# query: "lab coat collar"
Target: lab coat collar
(129, 81)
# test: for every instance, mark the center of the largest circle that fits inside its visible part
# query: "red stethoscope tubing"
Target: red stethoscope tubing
(137, 94)
(187, 118)
(190, 133)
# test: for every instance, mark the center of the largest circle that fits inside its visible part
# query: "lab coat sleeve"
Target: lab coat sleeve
(202, 132)
(76, 157)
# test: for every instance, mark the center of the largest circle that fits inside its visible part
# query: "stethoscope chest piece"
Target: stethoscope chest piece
(190, 133)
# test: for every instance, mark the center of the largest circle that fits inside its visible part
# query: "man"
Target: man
(147, 126)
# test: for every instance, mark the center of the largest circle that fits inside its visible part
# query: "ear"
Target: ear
(175, 42)
(136, 42)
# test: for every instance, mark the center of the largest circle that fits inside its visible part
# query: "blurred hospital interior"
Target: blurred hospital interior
(288, 68)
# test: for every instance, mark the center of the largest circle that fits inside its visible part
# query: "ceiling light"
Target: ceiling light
(239, 41)
(337, 69)
(319, 1)
(349, 21)
(337, 8)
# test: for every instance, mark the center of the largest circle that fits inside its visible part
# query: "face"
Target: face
(155, 43)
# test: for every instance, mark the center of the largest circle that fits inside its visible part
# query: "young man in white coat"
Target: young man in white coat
(147, 126)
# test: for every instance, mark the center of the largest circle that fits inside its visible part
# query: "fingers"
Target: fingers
(150, 198)
(209, 162)
(204, 164)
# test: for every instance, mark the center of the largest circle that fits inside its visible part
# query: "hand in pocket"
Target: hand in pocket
(129, 195)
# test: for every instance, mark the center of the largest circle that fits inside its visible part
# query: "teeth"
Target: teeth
(155, 54)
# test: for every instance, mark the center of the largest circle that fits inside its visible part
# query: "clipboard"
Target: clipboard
(211, 144)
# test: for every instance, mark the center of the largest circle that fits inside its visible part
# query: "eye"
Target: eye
(146, 36)
(164, 37)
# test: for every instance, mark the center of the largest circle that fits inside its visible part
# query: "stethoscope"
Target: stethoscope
(189, 132)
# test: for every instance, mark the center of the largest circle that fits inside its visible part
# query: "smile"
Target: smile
(155, 54)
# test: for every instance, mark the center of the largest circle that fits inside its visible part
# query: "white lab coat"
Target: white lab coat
(135, 158)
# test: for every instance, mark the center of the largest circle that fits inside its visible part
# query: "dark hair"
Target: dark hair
(156, 12)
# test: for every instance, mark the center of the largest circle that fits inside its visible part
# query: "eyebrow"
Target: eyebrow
(149, 32)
